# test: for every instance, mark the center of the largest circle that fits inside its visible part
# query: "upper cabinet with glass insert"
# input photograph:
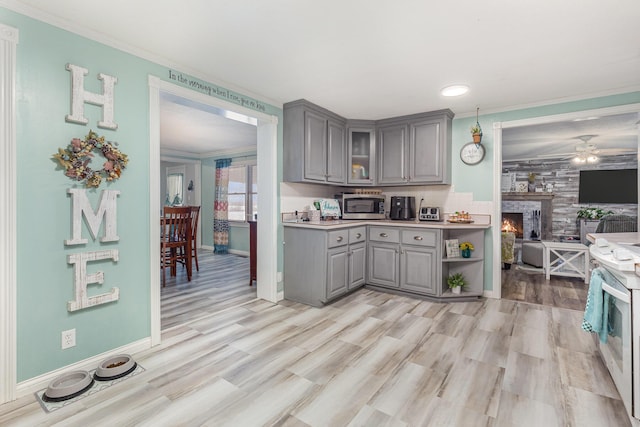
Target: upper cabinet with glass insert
(361, 152)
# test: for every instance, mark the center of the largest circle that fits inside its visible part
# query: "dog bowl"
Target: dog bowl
(115, 367)
(68, 386)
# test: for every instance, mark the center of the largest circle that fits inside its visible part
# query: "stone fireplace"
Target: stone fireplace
(535, 211)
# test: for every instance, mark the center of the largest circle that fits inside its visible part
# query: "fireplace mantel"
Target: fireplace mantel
(527, 196)
(546, 208)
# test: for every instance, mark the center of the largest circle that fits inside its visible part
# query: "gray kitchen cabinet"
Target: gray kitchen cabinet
(429, 151)
(404, 259)
(415, 149)
(383, 264)
(314, 144)
(383, 253)
(357, 266)
(419, 260)
(322, 147)
(418, 269)
(336, 146)
(320, 265)
(337, 272)
(392, 154)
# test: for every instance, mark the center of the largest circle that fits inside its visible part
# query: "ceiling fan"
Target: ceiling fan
(586, 151)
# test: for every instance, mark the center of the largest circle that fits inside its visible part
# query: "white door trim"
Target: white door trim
(8, 191)
(497, 169)
(267, 286)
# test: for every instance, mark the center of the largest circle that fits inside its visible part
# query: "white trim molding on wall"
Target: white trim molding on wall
(8, 260)
(267, 285)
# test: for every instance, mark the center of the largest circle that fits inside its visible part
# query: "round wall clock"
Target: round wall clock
(472, 153)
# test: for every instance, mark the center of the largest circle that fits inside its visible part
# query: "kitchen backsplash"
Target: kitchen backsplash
(299, 197)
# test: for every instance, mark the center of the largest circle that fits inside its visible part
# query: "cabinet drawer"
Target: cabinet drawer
(420, 237)
(384, 234)
(358, 234)
(337, 238)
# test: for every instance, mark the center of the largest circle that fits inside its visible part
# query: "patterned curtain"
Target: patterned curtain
(221, 207)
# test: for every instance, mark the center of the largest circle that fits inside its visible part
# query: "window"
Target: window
(174, 188)
(243, 198)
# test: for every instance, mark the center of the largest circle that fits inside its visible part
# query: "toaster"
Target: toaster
(429, 214)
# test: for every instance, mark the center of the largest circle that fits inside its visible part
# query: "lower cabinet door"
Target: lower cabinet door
(337, 272)
(383, 264)
(357, 265)
(418, 269)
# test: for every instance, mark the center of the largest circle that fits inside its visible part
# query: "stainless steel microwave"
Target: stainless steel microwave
(362, 206)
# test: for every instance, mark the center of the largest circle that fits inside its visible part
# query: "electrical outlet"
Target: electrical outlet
(68, 338)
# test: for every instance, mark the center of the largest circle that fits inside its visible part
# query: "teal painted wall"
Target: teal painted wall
(44, 279)
(239, 238)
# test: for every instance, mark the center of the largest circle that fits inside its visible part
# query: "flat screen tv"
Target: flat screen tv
(608, 186)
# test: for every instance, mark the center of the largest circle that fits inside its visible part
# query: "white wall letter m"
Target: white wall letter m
(81, 206)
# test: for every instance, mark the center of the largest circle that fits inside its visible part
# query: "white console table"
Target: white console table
(572, 260)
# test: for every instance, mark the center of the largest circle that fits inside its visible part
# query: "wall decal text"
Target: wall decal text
(213, 90)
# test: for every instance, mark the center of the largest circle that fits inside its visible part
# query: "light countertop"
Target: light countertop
(606, 254)
(617, 238)
(338, 224)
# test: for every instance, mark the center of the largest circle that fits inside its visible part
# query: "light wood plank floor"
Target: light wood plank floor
(369, 359)
(222, 282)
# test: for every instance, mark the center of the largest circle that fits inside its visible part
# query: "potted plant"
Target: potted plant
(592, 213)
(532, 182)
(456, 282)
(465, 249)
(476, 132)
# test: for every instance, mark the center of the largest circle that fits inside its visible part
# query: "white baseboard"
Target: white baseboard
(489, 294)
(237, 252)
(231, 251)
(34, 384)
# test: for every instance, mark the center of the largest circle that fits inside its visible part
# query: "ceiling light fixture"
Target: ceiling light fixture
(454, 90)
(586, 151)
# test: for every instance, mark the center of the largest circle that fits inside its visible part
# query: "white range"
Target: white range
(619, 253)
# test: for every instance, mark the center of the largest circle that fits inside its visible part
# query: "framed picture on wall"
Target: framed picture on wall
(508, 182)
(522, 186)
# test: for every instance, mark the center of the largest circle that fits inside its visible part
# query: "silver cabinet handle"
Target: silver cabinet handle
(384, 235)
(417, 238)
(339, 239)
(358, 236)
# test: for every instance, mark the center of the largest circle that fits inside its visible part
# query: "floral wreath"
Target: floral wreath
(77, 158)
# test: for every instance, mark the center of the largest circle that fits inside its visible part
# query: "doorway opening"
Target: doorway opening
(535, 156)
(267, 287)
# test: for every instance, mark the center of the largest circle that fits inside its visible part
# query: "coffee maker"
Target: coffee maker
(403, 208)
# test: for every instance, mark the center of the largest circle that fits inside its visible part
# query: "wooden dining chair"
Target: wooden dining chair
(175, 240)
(195, 213)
